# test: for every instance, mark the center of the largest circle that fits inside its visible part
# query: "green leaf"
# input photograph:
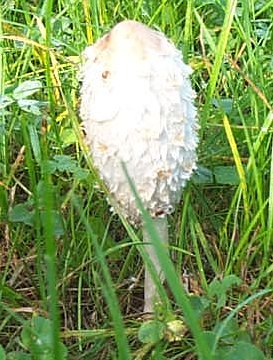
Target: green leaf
(31, 106)
(2, 353)
(210, 337)
(151, 332)
(199, 304)
(22, 213)
(26, 89)
(58, 226)
(202, 176)
(35, 143)
(10, 295)
(62, 163)
(224, 104)
(226, 175)
(4, 102)
(219, 288)
(37, 338)
(36, 335)
(18, 355)
(243, 350)
(81, 174)
(4, 202)
(230, 332)
(230, 280)
(68, 137)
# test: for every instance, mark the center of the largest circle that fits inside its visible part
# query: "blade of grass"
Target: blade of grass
(220, 51)
(232, 216)
(244, 240)
(270, 206)
(3, 146)
(267, 125)
(172, 279)
(108, 290)
(182, 230)
(51, 269)
(196, 228)
(88, 24)
(234, 312)
(33, 177)
(253, 169)
(50, 244)
(205, 31)
(188, 30)
(239, 165)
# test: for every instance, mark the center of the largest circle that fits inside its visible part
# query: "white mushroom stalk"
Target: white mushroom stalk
(137, 105)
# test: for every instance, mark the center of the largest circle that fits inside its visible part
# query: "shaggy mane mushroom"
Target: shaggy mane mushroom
(137, 105)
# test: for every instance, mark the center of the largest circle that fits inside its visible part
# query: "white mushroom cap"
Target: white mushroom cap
(137, 105)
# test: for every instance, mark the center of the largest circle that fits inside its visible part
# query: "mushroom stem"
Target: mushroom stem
(150, 290)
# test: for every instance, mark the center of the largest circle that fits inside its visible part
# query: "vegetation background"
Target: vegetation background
(71, 270)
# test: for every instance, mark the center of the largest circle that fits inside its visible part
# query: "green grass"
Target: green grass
(71, 270)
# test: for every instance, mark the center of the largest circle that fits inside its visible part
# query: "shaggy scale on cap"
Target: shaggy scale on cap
(137, 105)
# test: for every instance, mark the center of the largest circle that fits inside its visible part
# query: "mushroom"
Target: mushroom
(137, 106)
